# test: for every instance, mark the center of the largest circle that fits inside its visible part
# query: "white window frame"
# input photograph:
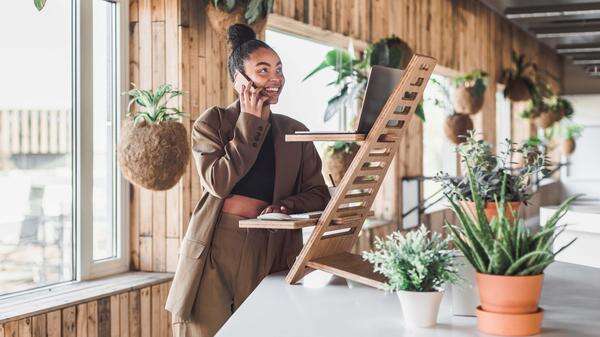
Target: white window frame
(85, 266)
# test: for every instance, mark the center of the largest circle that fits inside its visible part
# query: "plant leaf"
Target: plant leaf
(39, 4)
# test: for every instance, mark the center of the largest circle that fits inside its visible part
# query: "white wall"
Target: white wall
(583, 175)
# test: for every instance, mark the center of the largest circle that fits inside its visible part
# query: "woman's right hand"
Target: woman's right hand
(251, 101)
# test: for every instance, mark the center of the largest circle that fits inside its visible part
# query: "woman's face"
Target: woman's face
(264, 68)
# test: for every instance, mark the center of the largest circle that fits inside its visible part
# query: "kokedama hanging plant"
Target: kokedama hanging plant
(154, 150)
(469, 93)
(572, 132)
(223, 13)
(518, 81)
(457, 126)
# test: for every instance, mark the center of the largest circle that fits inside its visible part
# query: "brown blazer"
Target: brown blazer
(225, 144)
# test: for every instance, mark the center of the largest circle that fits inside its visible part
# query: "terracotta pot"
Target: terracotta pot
(466, 101)
(153, 156)
(518, 90)
(457, 127)
(491, 209)
(568, 146)
(337, 163)
(509, 324)
(545, 120)
(509, 294)
(221, 20)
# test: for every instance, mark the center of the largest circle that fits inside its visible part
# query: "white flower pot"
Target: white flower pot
(420, 309)
(465, 297)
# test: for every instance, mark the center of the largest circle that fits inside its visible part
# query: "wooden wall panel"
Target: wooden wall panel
(171, 41)
(136, 313)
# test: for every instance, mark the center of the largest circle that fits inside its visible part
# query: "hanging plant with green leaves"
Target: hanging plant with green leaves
(469, 93)
(152, 105)
(223, 13)
(519, 80)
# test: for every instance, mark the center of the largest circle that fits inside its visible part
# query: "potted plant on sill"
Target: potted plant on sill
(519, 81)
(571, 133)
(487, 172)
(223, 13)
(509, 260)
(417, 267)
(469, 93)
(153, 151)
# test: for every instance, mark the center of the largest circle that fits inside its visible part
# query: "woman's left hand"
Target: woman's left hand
(275, 209)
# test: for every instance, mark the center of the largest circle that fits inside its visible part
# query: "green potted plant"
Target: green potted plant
(509, 260)
(223, 13)
(518, 81)
(469, 92)
(39, 4)
(153, 151)
(571, 133)
(487, 171)
(417, 267)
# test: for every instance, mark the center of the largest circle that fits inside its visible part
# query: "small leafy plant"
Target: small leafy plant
(488, 169)
(152, 105)
(339, 146)
(476, 79)
(501, 246)
(414, 262)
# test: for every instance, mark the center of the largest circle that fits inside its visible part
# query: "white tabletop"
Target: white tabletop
(324, 305)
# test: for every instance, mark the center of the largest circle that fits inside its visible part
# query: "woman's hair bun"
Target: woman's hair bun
(239, 33)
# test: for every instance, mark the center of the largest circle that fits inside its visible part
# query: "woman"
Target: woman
(246, 168)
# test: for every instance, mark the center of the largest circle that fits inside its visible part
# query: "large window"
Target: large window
(304, 101)
(438, 152)
(59, 215)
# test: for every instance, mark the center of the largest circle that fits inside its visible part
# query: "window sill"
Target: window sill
(68, 294)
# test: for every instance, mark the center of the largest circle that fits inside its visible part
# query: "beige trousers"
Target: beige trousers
(238, 259)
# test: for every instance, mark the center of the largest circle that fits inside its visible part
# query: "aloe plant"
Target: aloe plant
(502, 246)
(152, 105)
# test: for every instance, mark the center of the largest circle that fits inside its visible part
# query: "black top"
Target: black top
(259, 182)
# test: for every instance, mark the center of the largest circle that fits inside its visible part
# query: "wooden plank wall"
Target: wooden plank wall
(172, 42)
(136, 313)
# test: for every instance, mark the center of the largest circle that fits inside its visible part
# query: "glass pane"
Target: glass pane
(36, 227)
(104, 78)
(438, 151)
(304, 101)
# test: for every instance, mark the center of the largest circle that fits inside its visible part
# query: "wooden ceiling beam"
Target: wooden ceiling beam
(578, 48)
(566, 31)
(549, 11)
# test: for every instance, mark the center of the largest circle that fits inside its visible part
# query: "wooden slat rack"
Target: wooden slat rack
(330, 244)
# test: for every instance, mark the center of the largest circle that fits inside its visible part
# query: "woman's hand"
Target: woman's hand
(275, 209)
(251, 101)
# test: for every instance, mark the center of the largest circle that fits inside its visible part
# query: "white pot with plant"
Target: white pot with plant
(417, 267)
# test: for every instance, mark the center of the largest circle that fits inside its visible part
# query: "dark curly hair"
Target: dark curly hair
(242, 40)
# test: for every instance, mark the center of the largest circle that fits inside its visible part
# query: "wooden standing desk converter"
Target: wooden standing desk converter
(337, 229)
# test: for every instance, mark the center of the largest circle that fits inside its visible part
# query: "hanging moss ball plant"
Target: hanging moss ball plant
(154, 149)
(470, 91)
(223, 13)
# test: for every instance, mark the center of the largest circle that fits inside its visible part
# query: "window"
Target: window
(503, 120)
(438, 152)
(61, 196)
(305, 101)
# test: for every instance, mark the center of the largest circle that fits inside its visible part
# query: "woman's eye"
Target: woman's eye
(279, 71)
(262, 71)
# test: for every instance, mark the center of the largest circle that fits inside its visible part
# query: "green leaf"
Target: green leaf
(320, 67)
(39, 4)
(253, 11)
(420, 112)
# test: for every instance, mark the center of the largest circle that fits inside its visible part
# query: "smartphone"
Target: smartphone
(243, 80)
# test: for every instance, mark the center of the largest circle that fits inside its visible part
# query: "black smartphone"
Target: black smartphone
(244, 81)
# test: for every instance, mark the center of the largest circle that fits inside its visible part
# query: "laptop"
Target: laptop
(380, 85)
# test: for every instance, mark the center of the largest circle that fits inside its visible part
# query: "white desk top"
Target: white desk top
(324, 305)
